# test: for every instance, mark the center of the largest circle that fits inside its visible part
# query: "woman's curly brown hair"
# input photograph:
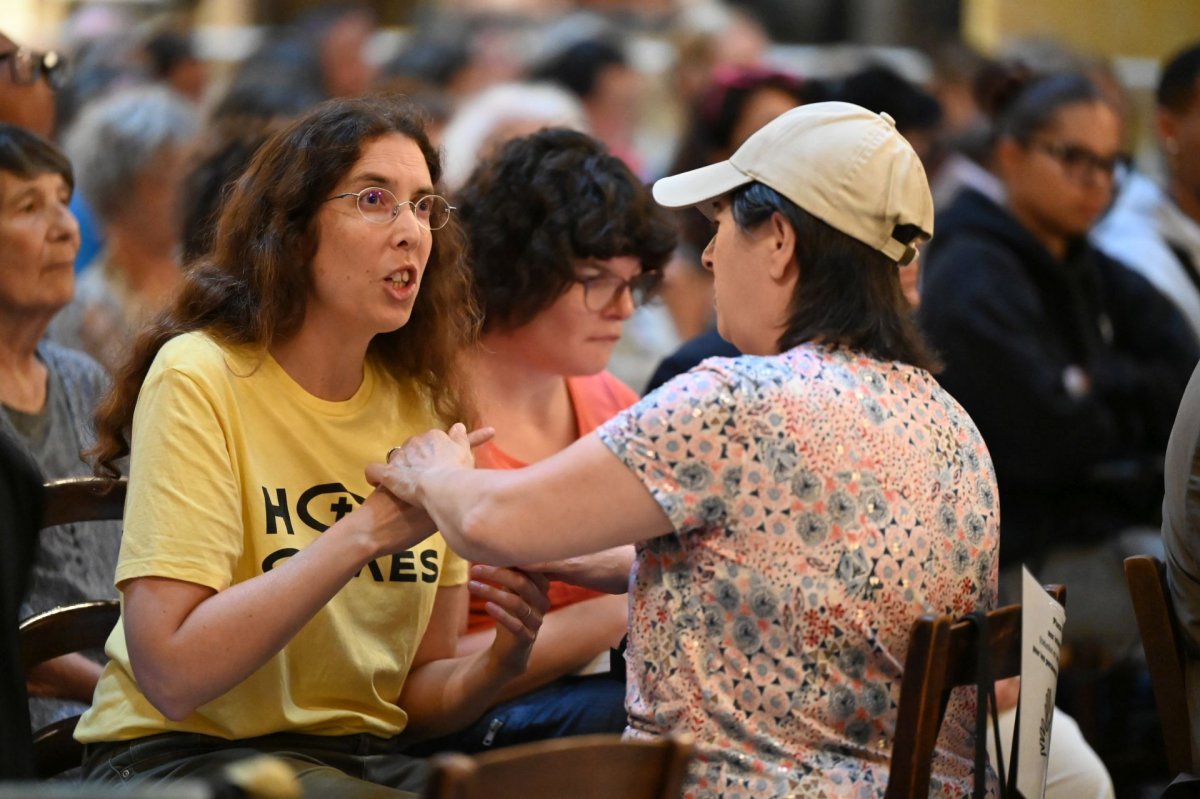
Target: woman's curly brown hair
(253, 288)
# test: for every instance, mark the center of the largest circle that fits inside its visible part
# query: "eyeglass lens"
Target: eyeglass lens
(381, 207)
(26, 66)
(602, 291)
(1079, 162)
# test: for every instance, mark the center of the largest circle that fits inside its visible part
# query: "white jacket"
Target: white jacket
(1140, 230)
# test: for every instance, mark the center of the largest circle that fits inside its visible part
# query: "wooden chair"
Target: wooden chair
(75, 628)
(581, 767)
(942, 656)
(1147, 579)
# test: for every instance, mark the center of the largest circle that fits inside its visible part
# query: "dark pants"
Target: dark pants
(350, 766)
(567, 706)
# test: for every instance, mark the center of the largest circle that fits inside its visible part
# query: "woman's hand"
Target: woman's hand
(392, 524)
(518, 601)
(421, 453)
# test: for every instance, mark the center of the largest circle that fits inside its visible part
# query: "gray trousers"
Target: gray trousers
(351, 766)
(1099, 611)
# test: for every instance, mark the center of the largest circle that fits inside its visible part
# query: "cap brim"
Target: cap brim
(697, 186)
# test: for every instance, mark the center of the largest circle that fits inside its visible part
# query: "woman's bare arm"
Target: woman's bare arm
(444, 693)
(570, 638)
(582, 500)
(189, 644)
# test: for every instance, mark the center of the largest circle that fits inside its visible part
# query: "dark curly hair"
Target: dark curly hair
(254, 285)
(544, 202)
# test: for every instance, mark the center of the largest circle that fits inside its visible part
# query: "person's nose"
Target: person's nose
(63, 225)
(406, 230)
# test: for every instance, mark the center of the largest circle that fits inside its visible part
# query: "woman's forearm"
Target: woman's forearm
(571, 638)
(189, 645)
(71, 676)
(444, 696)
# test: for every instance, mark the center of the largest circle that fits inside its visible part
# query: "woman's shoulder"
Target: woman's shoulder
(201, 356)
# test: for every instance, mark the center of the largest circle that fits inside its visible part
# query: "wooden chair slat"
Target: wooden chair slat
(1165, 655)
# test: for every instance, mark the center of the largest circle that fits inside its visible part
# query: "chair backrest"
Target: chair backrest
(75, 628)
(83, 499)
(941, 657)
(1165, 656)
(581, 767)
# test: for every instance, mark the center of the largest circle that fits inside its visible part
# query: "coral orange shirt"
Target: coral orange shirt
(596, 399)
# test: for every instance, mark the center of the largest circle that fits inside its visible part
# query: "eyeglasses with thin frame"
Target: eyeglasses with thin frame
(1079, 163)
(605, 289)
(380, 207)
(26, 66)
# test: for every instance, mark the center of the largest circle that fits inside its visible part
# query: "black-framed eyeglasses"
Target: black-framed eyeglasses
(1079, 163)
(26, 66)
(380, 207)
(603, 290)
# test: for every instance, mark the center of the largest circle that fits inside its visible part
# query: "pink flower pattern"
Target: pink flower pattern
(822, 501)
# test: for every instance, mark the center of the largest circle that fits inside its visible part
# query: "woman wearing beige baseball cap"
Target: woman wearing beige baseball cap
(793, 509)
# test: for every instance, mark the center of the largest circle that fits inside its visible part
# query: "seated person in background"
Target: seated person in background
(796, 508)
(1071, 364)
(47, 397)
(128, 150)
(1155, 230)
(271, 601)
(564, 241)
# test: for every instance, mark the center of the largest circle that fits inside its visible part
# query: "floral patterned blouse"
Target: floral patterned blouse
(822, 501)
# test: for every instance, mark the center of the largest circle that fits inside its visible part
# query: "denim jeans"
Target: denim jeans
(568, 706)
(351, 765)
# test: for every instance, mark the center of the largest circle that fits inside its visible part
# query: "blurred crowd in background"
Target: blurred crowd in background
(665, 89)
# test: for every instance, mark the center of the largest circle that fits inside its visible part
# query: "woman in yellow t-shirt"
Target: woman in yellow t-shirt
(272, 601)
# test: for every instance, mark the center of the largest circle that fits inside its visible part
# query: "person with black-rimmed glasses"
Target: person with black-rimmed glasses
(564, 241)
(1071, 364)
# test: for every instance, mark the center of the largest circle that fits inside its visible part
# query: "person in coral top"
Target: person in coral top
(563, 241)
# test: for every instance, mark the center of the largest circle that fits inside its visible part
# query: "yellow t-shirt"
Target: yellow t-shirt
(235, 467)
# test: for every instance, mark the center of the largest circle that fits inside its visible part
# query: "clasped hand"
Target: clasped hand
(421, 453)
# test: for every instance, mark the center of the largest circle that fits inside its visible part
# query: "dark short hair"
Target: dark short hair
(578, 67)
(1023, 104)
(25, 154)
(1177, 86)
(540, 204)
(848, 293)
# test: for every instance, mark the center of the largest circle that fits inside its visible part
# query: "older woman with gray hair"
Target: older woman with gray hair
(47, 394)
(129, 150)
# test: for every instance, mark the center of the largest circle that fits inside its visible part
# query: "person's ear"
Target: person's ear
(1010, 156)
(1166, 125)
(781, 247)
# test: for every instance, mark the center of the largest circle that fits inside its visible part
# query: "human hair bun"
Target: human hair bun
(998, 84)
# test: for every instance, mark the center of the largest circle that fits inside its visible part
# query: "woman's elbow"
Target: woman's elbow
(170, 703)
(163, 688)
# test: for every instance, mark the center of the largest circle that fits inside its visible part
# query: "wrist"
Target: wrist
(355, 534)
(508, 662)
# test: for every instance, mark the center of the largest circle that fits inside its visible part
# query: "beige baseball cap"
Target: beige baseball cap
(843, 164)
